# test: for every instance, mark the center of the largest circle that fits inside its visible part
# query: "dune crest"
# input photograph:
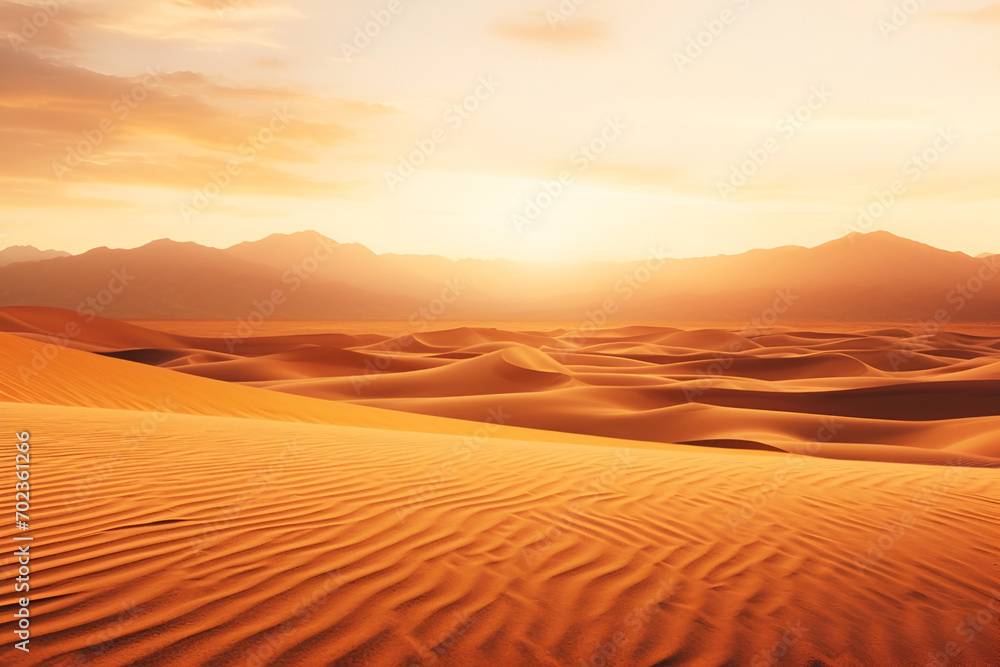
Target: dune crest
(882, 394)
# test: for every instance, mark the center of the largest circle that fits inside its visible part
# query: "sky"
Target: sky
(533, 130)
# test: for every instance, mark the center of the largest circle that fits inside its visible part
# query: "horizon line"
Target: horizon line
(558, 262)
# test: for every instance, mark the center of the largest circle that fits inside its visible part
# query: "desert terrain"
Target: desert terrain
(526, 494)
(500, 334)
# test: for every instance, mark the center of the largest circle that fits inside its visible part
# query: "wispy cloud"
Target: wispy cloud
(165, 126)
(987, 15)
(535, 28)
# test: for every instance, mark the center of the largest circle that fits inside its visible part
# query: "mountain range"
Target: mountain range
(27, 253)
(875, 277)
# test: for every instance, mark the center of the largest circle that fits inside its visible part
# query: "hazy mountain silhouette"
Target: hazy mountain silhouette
(171, 280)
(861, 277)
(27, 253)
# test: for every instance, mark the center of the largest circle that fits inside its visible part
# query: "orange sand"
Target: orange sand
(183, 520)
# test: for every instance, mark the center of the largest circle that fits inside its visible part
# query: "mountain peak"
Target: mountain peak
(877, 241)
(293, 239)
(879, 235)
(27, 253)
(168, 243)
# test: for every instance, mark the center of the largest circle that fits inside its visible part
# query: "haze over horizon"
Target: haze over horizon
(45, 252)
(120, 119)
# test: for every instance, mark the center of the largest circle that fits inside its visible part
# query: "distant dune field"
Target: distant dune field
(881, 392)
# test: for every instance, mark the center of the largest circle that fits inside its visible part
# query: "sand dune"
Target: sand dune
(780, 390)
(70, 377)
(300, 544)
(190, 520)
(887, 387)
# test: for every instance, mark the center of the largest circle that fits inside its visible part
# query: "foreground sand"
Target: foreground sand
(223, 541)
(183, 520)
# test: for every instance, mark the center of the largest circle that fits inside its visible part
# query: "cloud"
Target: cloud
(207, 24)
(536, 29)
(271, 63)
(661, 179)
(989, 14)
(49, 25)
(29, 195)
(163, 129)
